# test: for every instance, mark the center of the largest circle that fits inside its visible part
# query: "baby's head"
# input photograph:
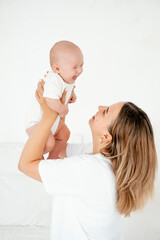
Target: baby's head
(66, 59)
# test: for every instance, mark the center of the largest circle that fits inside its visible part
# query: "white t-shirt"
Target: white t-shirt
(53, 88)
(84, 196)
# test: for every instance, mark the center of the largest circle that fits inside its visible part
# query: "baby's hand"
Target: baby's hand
(73, 97)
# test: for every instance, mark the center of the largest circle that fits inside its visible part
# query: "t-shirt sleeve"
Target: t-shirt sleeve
(78, 149)
(61, 176)
(53, 89)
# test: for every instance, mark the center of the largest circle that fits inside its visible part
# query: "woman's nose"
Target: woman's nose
(100, 108)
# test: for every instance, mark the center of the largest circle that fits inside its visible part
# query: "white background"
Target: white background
(120, 41)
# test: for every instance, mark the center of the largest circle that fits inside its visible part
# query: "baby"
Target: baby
(66, 61)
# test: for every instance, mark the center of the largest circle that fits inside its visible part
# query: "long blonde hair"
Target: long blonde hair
(133, 156)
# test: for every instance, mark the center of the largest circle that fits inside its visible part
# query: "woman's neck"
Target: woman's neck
(96, 146)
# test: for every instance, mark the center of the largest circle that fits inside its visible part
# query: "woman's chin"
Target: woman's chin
(90, 122)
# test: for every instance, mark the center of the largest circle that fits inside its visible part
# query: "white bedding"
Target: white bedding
(23, 201)
(24, 233)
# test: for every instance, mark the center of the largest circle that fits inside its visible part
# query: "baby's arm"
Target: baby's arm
(73, 97)
(57, 106)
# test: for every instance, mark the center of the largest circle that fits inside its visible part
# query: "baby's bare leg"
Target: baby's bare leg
(50, 143)
(61, 137)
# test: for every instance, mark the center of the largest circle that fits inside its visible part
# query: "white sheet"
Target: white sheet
(23, 201)
(24, 233)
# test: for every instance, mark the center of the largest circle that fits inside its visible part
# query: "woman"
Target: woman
(91, 190)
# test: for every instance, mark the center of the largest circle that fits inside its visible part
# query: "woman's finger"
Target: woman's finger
(39, 91)
(40, 87)
(41, 83)
(63, 98)
(37, 96)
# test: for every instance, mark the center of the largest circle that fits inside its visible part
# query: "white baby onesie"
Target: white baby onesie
(53, 88)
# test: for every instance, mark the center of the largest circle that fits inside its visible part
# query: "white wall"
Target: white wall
(120, 41)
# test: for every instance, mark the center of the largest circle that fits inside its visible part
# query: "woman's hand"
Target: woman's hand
(63, 98)
(39, 96)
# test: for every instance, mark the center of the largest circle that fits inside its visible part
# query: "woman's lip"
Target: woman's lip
(93, 117)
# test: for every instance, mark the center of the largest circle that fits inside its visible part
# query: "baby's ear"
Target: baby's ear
(55, 68)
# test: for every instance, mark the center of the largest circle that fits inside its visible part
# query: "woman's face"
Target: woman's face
(102, 120)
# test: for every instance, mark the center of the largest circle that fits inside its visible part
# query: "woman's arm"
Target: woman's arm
(33, 149)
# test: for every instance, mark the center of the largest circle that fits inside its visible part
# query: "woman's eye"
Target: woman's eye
(105, 111)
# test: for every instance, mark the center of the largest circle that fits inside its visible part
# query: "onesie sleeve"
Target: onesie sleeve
(61, 176)
(53, 88)
(78, 149)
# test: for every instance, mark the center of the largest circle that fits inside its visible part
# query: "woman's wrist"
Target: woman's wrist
(49, 115)
(47, 111)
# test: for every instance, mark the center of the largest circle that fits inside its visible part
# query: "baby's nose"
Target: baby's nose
(79, 70)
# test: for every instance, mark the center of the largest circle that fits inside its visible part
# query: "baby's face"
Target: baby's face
(71, 66)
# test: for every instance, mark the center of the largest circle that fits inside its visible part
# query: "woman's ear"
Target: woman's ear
(55, 68)
(106, 138)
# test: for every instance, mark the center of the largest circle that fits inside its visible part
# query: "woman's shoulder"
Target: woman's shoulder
(74, 149)
(94, 160)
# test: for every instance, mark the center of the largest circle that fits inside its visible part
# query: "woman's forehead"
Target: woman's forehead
(116, 106)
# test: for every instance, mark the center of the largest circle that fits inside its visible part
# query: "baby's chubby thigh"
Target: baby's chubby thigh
(62, 133)
(50, 142)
